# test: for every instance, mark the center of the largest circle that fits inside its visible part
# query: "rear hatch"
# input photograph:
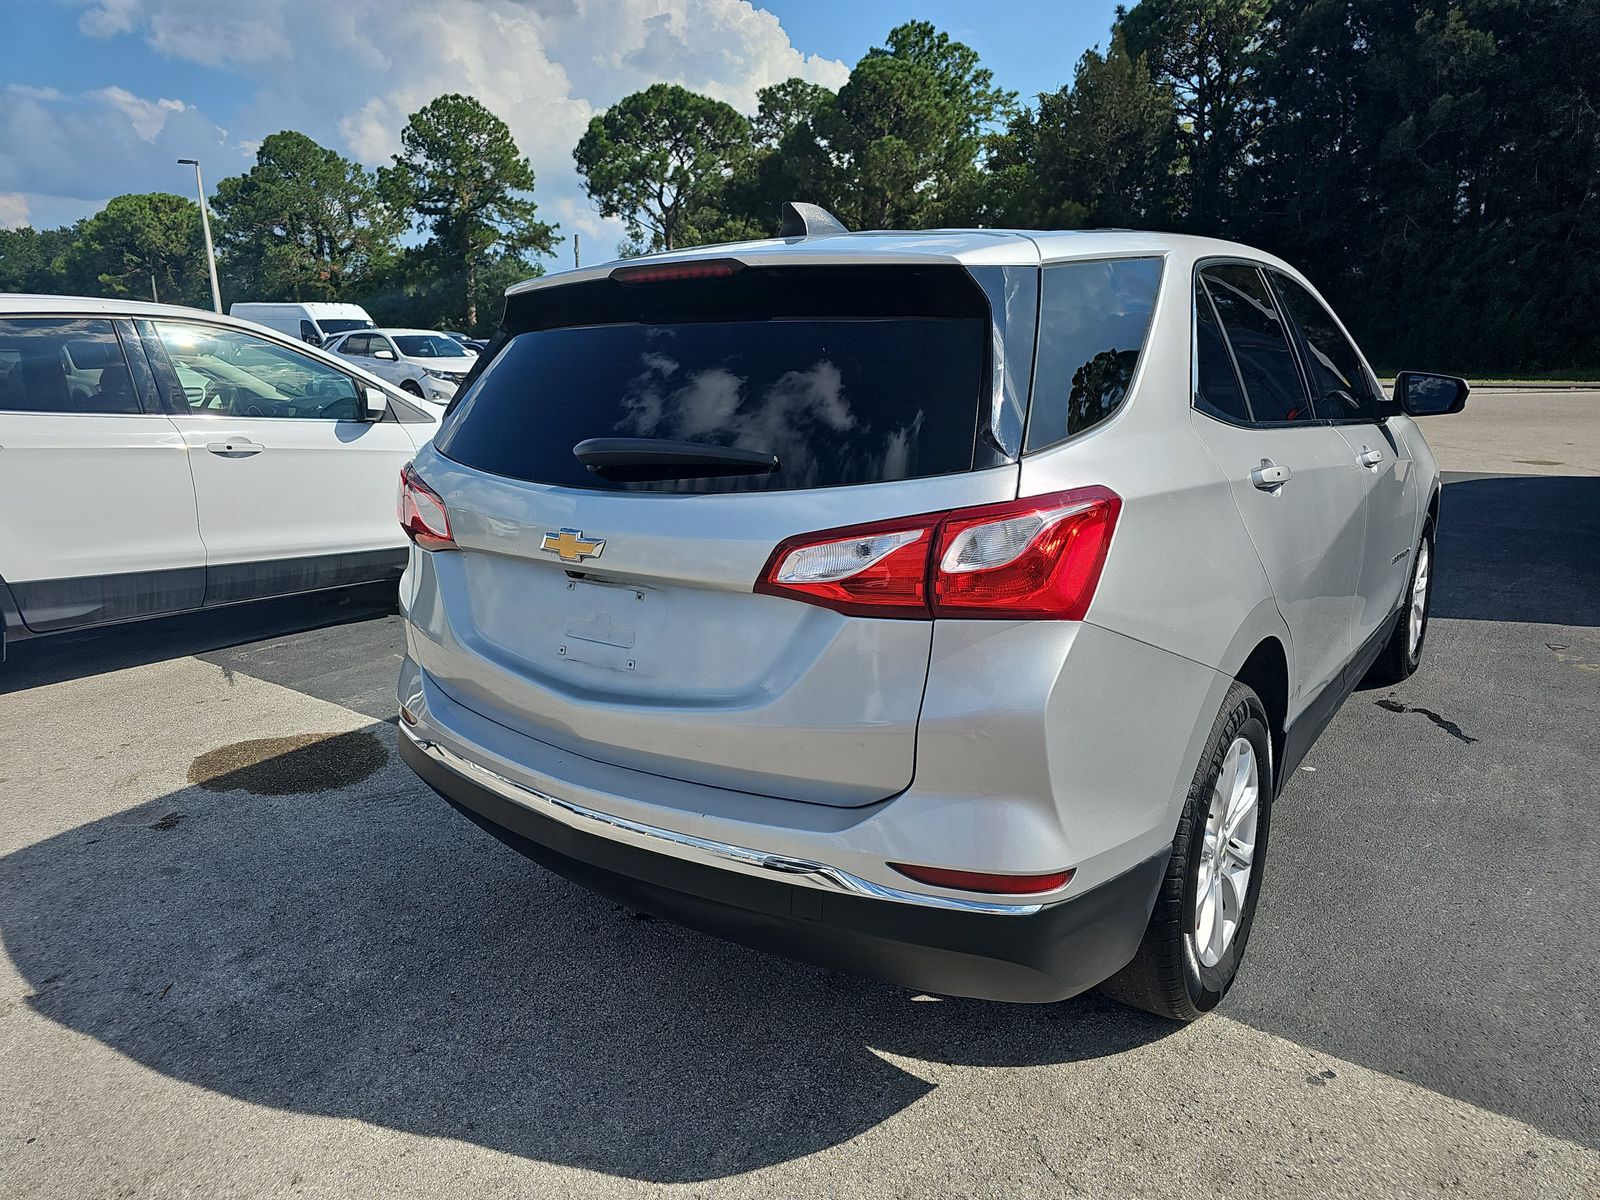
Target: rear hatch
(613, 614)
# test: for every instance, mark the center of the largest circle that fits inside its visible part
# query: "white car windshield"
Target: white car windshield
(432, 345)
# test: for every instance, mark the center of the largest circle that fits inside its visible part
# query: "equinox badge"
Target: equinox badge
(571, 546)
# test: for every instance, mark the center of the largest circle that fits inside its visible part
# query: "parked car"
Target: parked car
(469, 342)
(424, 362)
(315, 323)
(946, 607)
(156, 460)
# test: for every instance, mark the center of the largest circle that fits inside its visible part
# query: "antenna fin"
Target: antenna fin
(798, 219)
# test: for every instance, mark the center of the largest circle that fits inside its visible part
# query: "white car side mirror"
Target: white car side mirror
(374, 403)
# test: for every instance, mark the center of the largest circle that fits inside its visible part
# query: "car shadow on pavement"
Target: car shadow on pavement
(367, 953)
(79, 655)
(1519, 548)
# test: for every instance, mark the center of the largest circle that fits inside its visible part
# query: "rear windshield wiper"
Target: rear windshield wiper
(633, 459)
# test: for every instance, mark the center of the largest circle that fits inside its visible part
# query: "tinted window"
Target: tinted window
(1340, 389)
(333, 325)
(431, 346)
(63, 366)
(839, 400)
(356, 343)
(1260, 344)
(1093, 317)
(1216, 382)
(236, 374)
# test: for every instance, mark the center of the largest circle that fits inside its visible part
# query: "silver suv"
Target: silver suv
(946, 607)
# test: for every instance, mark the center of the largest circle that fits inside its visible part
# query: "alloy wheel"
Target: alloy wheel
(1419, 600)
(1227, 853)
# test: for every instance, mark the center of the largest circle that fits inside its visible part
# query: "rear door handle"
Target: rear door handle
(235, 448)
(1369, 458)
(1269, 477)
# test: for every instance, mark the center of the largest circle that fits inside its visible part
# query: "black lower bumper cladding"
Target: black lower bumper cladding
(1057, 952)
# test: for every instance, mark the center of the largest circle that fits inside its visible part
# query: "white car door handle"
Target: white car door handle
(235, 448)
(1369, 458)
(1269, 477)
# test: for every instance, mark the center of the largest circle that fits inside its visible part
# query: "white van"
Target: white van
(313, 322)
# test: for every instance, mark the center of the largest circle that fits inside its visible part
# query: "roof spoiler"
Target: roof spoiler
(797, 219)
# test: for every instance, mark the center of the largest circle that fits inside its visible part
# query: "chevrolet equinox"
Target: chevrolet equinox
(945, 607)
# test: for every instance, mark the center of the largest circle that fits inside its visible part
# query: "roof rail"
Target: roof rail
(798, 219)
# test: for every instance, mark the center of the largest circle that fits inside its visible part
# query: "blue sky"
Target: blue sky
(99, 97)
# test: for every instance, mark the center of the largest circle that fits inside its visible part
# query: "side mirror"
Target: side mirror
(386, 355)
(374, 403)
(1424, 394)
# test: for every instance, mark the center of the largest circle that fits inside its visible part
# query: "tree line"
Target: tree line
(1433, 165)
(305, 223)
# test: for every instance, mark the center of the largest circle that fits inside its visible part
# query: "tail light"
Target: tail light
(1040, 557)
(422, 513)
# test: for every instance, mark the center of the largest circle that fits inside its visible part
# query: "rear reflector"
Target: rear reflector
(422, 513)
(983, 881)
(704, 268)
(1040, 557)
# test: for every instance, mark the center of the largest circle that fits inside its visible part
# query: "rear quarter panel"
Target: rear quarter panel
(1181, 581)
(1181, 574)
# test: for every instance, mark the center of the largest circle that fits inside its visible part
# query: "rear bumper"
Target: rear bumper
(1024, 953)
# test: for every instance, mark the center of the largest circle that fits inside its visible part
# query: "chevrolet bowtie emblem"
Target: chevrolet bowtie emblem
(572, 546)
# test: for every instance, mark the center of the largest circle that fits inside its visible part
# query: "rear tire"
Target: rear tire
(1402, 653)
(1187, 963)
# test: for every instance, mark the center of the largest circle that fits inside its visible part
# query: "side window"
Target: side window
(1340, 389)
(308, 333)
(381, 347)
(1093, 317)
(1260, 343)
(356, 343)
(1217, 387)
(56, 365)
(241, 375)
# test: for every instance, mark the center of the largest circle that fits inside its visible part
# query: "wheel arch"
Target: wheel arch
(12, 628)
(1266, 672)
(1262, 657)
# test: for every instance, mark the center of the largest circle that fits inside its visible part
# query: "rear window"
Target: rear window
(1093, 317)
(847, 375)
(56, 365)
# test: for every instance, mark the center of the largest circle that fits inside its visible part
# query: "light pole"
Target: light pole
(205, 228)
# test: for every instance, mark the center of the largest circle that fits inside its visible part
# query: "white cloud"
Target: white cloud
(148, 117)
(13, 210)
(106, 18)
(349, 73)
(30, 92)
(100, 143)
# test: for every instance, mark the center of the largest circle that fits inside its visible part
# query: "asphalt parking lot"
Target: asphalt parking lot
(245, 952)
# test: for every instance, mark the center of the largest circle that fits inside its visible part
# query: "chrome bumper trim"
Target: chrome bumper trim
(697, 849)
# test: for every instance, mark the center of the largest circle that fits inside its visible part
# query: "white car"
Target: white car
(157, 460)
(424, 362)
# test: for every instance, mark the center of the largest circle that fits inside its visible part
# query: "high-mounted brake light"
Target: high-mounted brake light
(422, 513)
(702, 268)
(985, 881)
(1040, 557)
